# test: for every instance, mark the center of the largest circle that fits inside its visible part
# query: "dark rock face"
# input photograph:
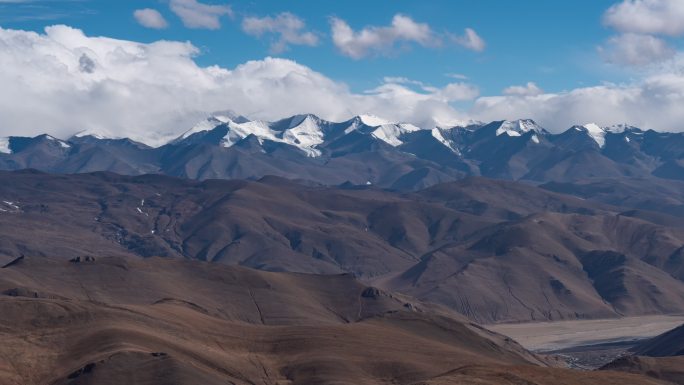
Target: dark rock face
(84, 370)
(371, 292)
(667, 344)
(82, 259)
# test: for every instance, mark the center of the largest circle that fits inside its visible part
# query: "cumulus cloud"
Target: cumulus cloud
(374, 40)
(63, 81)
(642, 24)
(654, 102)
(197, 15)
(470, 40)
(654, 17)
(150, 18)
(635, 50)
(529, 89)
(289, 29)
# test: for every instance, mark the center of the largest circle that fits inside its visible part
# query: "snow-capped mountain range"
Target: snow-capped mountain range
(364, 149)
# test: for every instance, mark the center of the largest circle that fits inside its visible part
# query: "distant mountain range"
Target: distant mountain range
(363, 150)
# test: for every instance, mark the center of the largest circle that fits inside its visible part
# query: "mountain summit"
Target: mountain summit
(364, 149)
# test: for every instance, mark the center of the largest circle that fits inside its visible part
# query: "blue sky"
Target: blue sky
(551, 43)
(429, 63)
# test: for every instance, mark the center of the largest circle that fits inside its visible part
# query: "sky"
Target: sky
(150, 69)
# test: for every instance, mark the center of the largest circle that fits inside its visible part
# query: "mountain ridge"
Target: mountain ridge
(363, 149)
(471, 245)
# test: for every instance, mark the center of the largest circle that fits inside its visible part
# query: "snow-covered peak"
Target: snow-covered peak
(372, 120)
(391, 133)
(95, 133)
(239, 131)
(518, 127)
(5, 146)
(207, 124)
(298, 120)
(306, 135)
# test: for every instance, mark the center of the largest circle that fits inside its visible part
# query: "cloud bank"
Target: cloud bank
(63, 81)
(654, 17)
(642, 26)
(654, 102)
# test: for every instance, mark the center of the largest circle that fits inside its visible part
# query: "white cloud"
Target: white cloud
(529, 89)
(63, 81)
(635, 50)
(150, 18)
(380, 40)
(449, 93)
(653, 17)
(194, 14)
(375, 40)
(654, 102)
(456, 76)
(289, 28)
(470, 40)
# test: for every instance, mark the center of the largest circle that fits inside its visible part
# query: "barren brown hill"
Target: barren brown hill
(121, 320)
(493, 250)
(670, 369)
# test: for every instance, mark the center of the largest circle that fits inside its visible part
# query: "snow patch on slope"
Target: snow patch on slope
(61, 143)
(206, 125)
(518, 127)
(5, 146)
(597, 133)
(390, 133)
(437, 134)
(372, 120)
(239, 131)
(95, 133)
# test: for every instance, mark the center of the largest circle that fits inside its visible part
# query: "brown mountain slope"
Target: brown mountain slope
(670, 343)
(550, 266)
(670, 369)
(494, 250)
(116, 320)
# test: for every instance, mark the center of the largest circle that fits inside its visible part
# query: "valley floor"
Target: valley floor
(559, 335)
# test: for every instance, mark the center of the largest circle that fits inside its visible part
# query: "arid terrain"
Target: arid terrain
(120, 320)
(398, 192)
(534, 255)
